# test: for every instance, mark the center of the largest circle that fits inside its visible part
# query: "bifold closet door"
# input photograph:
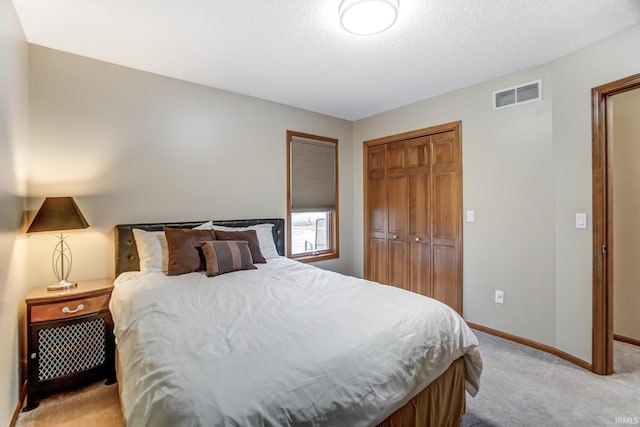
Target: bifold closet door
(446, 212)
(419, 239)
(413, 212)
(376, 211)
(397, 216)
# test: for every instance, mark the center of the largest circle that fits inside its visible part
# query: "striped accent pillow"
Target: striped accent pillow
(226, 256)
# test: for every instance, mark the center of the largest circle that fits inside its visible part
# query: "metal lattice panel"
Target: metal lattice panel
(71, 348)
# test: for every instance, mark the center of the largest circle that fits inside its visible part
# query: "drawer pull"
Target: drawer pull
(68, 310)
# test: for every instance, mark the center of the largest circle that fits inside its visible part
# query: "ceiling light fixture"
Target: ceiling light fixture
(367, 17)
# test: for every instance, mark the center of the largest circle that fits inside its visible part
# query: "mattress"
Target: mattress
(286, 344)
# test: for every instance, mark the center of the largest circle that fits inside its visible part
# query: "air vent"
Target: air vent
(517, 95)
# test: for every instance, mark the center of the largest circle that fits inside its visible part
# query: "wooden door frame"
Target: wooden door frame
(602, 187)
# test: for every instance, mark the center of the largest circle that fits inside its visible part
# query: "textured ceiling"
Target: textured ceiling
(295, 52)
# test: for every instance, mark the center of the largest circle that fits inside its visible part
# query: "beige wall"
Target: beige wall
(625, 134)
(137, 147)
(573, 78)
(507, 181)
(526, 173)
(13, 134)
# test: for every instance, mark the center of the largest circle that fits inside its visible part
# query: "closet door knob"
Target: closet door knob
(395, 236)
(417, 239)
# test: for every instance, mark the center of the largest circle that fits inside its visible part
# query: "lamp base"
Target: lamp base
(63, 285)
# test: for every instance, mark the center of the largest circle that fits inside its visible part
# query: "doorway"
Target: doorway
(603, 233)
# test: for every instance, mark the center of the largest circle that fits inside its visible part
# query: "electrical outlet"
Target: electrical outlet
(499, 297)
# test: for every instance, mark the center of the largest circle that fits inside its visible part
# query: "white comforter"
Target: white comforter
(287, 344)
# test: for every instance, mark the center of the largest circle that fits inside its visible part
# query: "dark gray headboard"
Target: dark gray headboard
(127, 253)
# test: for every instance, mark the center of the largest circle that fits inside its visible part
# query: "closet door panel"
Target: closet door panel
(418, 152)
(419, 191)
(446, 238)
(444, 276)
(419, 216)
(419, 205)
(397, 207)
(396, 158)
(444, 151)
(419, 268)
(376, 162)
(444, 207)
(376, 190)
(397, 264)
(397, 231)
(377, 206)
(446, 190)
(377, 261)
(397, 195)
(397, 215)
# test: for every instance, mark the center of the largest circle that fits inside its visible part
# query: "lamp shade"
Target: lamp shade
(58, 214)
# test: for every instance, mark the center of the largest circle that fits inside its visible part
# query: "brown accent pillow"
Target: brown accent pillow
(227, 256)
(249, 236)
(185, 255)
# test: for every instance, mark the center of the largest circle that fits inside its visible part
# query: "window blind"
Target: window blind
(313, 175)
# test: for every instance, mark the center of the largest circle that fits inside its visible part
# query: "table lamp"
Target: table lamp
(59, 214)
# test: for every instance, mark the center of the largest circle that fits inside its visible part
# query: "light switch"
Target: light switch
(581, 220)
(471, 216)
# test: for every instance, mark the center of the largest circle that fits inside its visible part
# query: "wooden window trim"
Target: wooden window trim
(334, 251)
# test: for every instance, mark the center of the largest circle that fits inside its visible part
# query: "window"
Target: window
(312, 197)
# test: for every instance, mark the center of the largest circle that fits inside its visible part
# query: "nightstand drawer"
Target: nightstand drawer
(68, 309)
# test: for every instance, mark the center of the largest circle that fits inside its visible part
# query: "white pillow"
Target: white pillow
(204, 226)
(153, 250)
(265, 237)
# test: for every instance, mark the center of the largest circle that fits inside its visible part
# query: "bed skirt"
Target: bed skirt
(119, 380)
(441, 404)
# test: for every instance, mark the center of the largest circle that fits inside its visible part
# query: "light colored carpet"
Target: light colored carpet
(520, 387)
(96, 405)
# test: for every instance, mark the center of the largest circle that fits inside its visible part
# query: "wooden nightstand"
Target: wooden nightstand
(69, 338)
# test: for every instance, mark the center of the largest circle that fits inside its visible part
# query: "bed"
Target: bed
(285, 343)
